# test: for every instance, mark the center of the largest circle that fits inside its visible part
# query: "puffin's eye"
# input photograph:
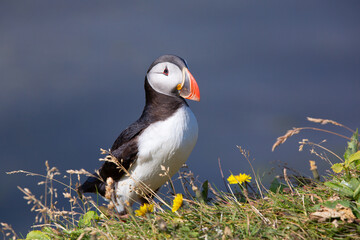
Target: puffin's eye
(166, 71)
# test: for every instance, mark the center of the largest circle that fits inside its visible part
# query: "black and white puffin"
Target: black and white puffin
(163, 136)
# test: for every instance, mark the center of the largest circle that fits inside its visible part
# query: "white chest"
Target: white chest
(168, 143)
(165, 143)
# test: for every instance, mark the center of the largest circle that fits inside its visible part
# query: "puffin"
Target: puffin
(153, 148)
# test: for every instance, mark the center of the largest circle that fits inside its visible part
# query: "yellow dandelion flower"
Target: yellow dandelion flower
(178, 200)
(146, 208)
(239, 179)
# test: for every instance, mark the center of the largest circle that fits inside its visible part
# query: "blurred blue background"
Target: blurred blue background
(72, 73)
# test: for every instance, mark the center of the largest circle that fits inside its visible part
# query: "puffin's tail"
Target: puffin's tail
(92, 185)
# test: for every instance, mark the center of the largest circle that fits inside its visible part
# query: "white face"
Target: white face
(164, 78)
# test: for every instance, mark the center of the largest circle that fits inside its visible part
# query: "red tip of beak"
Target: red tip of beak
(194, 88)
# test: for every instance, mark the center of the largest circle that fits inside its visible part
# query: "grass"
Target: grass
(291, 208)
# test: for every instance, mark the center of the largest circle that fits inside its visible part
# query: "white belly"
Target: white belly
(165, 143)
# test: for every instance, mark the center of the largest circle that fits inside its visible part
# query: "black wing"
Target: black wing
(125, 149)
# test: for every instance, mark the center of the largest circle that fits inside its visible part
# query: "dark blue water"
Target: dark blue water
(71, 79)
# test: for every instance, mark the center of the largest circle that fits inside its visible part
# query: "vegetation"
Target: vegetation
(293, 207)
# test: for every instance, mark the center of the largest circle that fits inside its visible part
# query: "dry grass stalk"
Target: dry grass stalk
(45, 211)
(326, 121)
(323, 121)
(313, 169)
(23, 171)
(323, 156)
(258, 213)
(287, 180)
(79, 172)
(246, 154)
(222, 176)
(302, 143)
(110, 193)
(109, 188)
(7, 231)
(38, 206)
(312, 165)
(216, 193)
(186, 178)
(280, 140)
(166, 173)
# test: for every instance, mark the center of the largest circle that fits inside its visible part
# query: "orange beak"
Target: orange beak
(189, 88)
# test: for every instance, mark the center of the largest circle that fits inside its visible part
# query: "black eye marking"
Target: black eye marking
(166, 71)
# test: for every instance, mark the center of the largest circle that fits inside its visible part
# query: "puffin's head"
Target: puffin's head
(169, 75)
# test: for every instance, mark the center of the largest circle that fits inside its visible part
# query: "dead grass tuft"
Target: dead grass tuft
(284, 211)
(48, 214)
(280, 140)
